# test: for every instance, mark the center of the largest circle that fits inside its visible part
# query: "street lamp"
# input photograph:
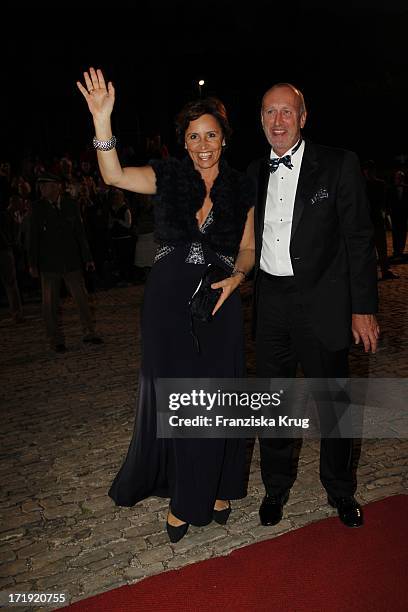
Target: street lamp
(201, 82)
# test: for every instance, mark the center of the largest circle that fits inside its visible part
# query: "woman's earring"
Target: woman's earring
(224, 143)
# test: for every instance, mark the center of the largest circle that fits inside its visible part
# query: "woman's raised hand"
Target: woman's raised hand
(99, 97)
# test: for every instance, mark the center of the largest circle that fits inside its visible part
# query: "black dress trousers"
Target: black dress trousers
(284, 339)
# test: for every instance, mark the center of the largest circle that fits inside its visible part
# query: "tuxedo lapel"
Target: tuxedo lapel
(307, 178)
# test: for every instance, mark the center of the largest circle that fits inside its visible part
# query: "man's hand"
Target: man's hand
(33, 271)
(366, 329)
(90, 266)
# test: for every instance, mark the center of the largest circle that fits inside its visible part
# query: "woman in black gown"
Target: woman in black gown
(203, 214)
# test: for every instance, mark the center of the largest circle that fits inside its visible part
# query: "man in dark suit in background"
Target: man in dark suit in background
(8, 266)
(58, 250)
(315, 284)
(376, 192)
(397, 200)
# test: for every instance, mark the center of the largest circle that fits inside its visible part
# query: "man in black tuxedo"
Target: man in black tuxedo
(315, 284)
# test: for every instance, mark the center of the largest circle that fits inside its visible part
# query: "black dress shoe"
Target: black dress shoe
(60, 348)
(389, 275)
(221, 516)
(92, 339)
(176, 533)
(271, 510)
(348, 509)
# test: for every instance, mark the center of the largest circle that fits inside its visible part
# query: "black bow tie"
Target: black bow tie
(275, 161)
(285, 160)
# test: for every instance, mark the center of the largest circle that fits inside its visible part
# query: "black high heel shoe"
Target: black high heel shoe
(221, 516)
(176, 533)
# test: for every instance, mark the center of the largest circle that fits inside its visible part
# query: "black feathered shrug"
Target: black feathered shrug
(180, 194)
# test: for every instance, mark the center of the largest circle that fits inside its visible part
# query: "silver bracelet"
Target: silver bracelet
(104, 145)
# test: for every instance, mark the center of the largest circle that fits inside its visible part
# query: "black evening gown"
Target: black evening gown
(192, 472)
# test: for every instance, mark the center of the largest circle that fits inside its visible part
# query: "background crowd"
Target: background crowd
(119, 225)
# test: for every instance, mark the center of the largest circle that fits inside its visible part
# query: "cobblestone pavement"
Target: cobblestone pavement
(66, 424)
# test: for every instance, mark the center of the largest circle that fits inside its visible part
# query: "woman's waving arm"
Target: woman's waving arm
(100, 99)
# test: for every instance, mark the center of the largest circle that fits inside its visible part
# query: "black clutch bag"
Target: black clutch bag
(204, 298)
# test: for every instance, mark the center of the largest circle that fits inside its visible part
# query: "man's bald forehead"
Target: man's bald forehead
(294, 89)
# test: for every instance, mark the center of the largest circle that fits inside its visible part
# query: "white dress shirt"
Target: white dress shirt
(275, 258)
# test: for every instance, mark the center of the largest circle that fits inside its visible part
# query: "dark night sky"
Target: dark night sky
(350, 61)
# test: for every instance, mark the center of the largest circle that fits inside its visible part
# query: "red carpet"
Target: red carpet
(322, 567)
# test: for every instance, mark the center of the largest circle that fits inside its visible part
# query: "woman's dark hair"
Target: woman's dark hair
(197, 108)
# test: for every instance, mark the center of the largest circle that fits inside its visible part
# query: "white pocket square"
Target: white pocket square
(320, 195)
